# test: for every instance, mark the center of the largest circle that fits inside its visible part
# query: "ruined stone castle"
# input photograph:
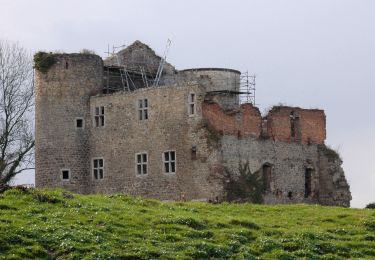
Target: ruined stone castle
(104, 127)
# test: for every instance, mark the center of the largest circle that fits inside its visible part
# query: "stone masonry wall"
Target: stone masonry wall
(62, 95)
(169, 127)
(289, 162)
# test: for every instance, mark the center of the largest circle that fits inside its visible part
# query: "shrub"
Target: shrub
(43, 61)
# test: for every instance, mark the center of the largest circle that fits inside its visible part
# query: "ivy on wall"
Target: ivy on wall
(245, 186)
(43, 61)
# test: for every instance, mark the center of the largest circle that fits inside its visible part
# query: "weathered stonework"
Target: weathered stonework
(211, 143)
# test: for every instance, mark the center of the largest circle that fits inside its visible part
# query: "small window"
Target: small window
(169, 160)
(99, 117)
(191, 102)
(98, 168)
(143, 109)
(79, 122)
(194, 152)
(65, 174)
(141, 162)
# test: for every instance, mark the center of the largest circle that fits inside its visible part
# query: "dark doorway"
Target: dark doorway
(267, 177)
(308, 180)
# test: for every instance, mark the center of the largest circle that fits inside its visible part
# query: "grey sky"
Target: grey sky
(305, 53)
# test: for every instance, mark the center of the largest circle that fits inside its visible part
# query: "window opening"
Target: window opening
(194, 152)
(99, 116)
(294, 126)
(98, 169)
(191, 103)
(79, 122)
(169, 159)
(65, 174)
(141, 161)
(143, 109)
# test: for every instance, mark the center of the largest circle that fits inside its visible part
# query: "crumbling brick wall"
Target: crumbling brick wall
(290, 124)
(242, 122)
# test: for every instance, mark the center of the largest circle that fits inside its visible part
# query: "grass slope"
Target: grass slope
(57, 224)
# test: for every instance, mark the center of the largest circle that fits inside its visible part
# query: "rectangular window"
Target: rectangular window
(65, 174)
(191, 102)
(98, 168)
(143, 109)
(79, 123)
(141, 162)
(169, 161)
(99, 117)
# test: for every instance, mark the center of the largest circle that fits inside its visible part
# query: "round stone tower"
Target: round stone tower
(221, 82)
(62, 120)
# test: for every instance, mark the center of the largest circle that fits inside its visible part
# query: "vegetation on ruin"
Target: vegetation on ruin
(53, 224)
(246, 186)
(43, 61)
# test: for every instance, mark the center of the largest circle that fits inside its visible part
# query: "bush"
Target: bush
(370, 206)
(43, 61)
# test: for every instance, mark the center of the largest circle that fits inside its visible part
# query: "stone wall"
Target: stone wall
(289, 163)
(62, 95)
(210, 145)
(334, 189)
(169, 127)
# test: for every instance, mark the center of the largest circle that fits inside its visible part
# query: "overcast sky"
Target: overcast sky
(313, 54)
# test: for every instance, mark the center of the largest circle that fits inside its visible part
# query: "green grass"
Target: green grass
(57, 224)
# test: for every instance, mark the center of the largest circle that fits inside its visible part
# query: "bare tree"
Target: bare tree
(16, 111)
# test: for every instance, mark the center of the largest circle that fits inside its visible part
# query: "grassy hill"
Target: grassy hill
(57, 224)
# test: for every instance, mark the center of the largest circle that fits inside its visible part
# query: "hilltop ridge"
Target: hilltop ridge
(54, 224)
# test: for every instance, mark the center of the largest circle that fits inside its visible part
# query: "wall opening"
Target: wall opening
(294, 126)
(308, 180)
(66, 65)
(79, 123)
(65, 174)
(194, 152)
(267, 177)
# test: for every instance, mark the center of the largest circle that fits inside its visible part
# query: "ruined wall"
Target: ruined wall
(139, 55)
(334, 189)
(169, 127)
(289, 163)
(242, 122)
(62, 95)
(290, 124)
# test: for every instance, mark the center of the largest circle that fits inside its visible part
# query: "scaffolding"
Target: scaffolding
(161, 64)
(247, 88)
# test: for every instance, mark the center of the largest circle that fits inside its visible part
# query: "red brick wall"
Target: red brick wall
(310, 124)
(244, 122)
